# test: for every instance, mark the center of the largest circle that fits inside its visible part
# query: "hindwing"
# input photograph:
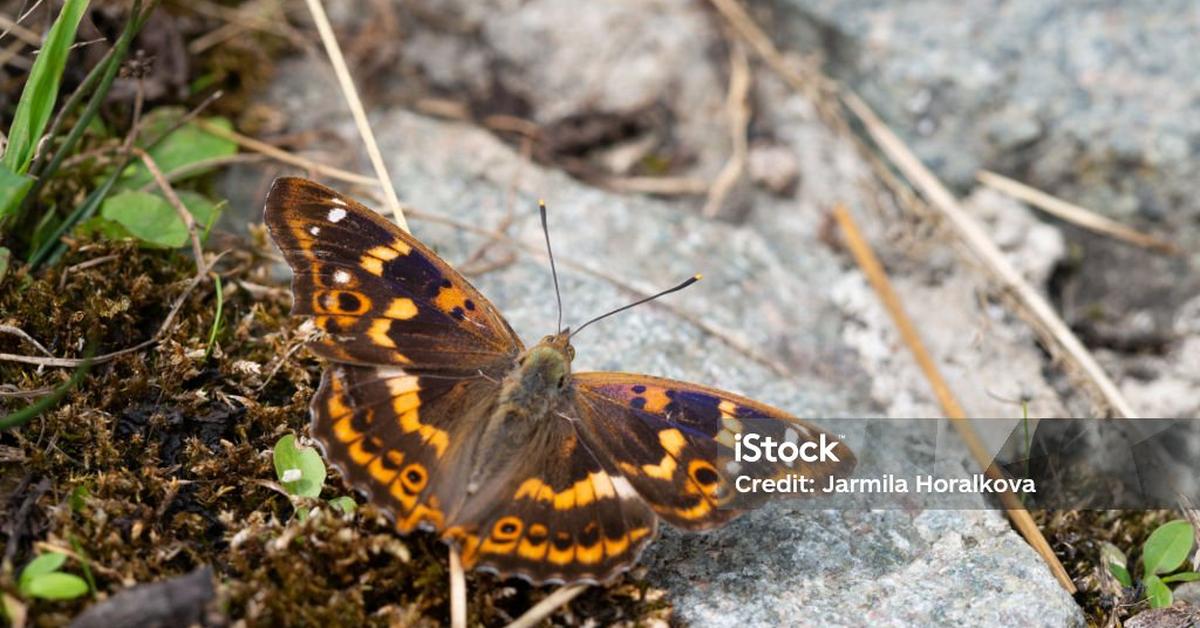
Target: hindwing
(674, 443)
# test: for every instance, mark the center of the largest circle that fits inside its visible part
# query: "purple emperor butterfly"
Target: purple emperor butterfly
(434, 409)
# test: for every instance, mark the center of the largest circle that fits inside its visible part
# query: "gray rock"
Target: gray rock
(779, 563)
(562, 58)
(1189, 593)
(773, 289)
(1095, 102)
(775, 564)
(883, 568)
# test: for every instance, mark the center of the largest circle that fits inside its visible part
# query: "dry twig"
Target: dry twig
(974, 236)
(458, 591)
(20, 32)
(278, 154)
(20, 333)
(356, 109)
(542, 609)
(1074, 214)
(177, 204)
(938, 196)
(876, 275)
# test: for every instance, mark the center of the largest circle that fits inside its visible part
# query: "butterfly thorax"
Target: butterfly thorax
(531, 390)
(529, 396)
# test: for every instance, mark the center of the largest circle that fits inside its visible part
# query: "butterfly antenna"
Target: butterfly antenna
(550, 252)
(690, 280)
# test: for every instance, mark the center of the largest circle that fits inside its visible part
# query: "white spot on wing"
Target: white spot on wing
(733, 467)
(315, 230)
(623, 487)
(337, 201)
(791, 435)
(336, 214)
(341, 276)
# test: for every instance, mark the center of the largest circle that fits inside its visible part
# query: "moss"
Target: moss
(159, 462)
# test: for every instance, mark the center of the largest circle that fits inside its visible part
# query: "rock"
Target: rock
(1122, 298)
(1033, 247)
(773, 167)
(786, 318)
(887, 567)
(180, 601)
(883, 568)
(561, 59)
(1101, 116)
(1188, 593)
(1094, 103)
(1178, 616)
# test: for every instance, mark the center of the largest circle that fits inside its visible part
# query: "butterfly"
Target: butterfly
(433, 408)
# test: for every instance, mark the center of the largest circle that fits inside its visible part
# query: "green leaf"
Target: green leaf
(1167, 547)
(203, 211)
(1114, 558)
(40, 566)
(57, 586)
(1121, 574)
(151, 219)
(1183, 576)
(344, 503)
(1158, 593)
(100, 225)
(147, 217)
(184, 146)
(13, 188)
(41, 89)
(290, 459)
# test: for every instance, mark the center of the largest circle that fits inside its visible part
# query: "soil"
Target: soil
(159, 462)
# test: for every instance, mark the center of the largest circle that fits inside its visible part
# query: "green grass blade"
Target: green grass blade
(41, 90)
(136, 19)
(216, 326)
(19, 417)
(53, 247)
(13, 188)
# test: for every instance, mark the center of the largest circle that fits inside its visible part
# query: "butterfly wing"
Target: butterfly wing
(672, 441)
(417, 350)
(561, 513)
(400, 438)
(381, 296)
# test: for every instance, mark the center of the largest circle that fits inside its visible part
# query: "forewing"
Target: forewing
(396, 437)
(381, 296)
(562, 514)
(673, 442)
